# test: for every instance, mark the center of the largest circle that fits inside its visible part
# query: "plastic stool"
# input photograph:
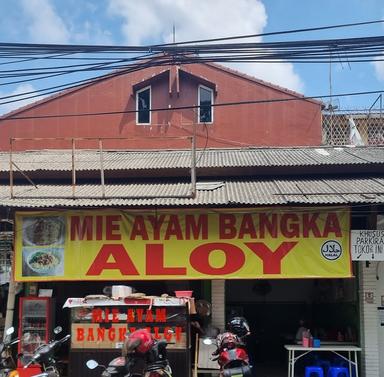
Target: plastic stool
(318, 371)
(325, 364)
(346, 365)
(338, 372)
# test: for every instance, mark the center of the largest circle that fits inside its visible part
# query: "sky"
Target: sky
(134, 22)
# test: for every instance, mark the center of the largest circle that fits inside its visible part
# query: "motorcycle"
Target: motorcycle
(45, 356)
(231, 355)
(141, 356)
(7, 363)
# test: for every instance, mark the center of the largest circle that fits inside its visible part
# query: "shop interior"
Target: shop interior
(273, 309)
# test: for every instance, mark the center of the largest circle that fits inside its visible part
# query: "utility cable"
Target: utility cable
(292, 31)
(350, 50)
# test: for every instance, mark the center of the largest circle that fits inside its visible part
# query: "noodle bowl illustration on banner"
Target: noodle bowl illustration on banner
(43, 239)
(45, 261)
(43, 231)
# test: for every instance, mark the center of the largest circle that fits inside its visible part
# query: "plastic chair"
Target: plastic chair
(338, 372)
(314, 370)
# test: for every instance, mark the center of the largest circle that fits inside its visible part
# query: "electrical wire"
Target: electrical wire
(41, 48)
(348, 50)
(275, 50)
(99, 66)
(292, 31)
(73, 85)
(127, 69)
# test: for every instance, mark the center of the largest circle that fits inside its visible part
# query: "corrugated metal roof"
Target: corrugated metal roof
(53, 160)
(256, 192)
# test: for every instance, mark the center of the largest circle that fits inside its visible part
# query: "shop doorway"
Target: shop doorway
(274, 308)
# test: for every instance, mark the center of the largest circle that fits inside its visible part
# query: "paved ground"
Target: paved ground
(271, 371)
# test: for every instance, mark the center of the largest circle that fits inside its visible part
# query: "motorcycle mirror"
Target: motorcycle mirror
(92, 364)
(10, 331)
(57, 329)
(207, 341)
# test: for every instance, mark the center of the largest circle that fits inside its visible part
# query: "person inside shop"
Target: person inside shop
(200, 324)
(300, 331)
(3, 299)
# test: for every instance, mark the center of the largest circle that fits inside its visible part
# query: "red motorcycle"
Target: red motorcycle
(142, 356)
(232, 356)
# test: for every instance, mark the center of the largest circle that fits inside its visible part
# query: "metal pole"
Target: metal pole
(10, 304)
(379, 98)
(73, 169)
(330, 106)
(11, 168)
(24, 175)
(193, 165)
(102, 168)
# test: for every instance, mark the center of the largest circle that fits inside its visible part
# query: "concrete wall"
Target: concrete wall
(380, 302)
(218, 304)
(369, 331)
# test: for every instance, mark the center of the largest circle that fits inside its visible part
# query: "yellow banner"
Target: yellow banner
(182, 244)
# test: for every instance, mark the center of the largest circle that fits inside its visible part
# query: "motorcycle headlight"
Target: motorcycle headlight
(13, 373)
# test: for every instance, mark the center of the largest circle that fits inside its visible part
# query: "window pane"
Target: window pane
(143, 103)
(205, 105)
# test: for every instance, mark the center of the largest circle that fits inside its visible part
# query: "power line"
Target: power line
(170, 60)
(46, 48)
(305, 52)
(237, 103)
(292, 31)
(337, 44)
(76, 84)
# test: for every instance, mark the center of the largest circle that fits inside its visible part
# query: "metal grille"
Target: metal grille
(336, 129)
(6, 241)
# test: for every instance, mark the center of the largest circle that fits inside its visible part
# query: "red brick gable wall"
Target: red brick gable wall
(292, 123)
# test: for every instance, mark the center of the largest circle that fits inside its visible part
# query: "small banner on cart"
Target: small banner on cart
(182, 244)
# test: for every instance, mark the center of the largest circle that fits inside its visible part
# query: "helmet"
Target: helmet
(227, 340)
(239, 326)
(140, 341)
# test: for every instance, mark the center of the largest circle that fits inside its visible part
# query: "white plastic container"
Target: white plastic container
(121, 291)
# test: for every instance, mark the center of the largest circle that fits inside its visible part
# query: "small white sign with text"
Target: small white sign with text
(367, 245)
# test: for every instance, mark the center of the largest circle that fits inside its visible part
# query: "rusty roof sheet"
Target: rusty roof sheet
(256, 192)
(59, 160)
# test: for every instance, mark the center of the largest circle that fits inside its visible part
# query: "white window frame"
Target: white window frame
(150, 103)
(198, 101)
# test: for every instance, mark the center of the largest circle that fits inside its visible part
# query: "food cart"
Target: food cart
(99, 325)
